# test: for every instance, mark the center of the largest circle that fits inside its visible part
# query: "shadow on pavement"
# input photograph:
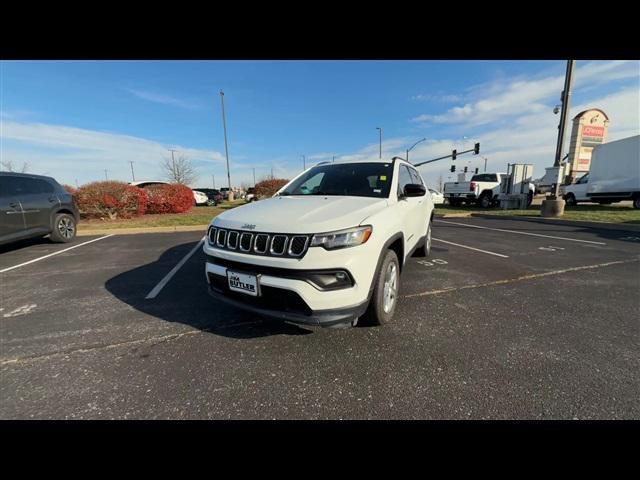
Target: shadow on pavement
(20, 244)
(185, 298)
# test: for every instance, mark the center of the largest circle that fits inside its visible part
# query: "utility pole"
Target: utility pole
(105, 174)
(304, 163)
(226, 148)
(334, 159)
(554, 207)
(213, 179)
(271, 173)
(77, 186)
(485, 164)
(380, 130)
(132, 174)
(254, 176)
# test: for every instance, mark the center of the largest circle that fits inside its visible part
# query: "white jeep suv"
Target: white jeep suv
(327, 248)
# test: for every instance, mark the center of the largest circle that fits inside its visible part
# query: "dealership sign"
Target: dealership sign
(592, 135)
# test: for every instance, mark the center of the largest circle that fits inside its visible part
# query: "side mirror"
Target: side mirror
(414, 190)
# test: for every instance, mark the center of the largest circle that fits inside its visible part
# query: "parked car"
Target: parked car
(251, 195)
(436, 196)
(225, 192)
(327, 248)
(35, 206)
(483, 190)
(214, 196)
(199, 198)
(576, 192)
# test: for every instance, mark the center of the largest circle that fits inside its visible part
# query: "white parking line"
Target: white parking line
(471, 248)
(55, 253)
(158, 288)
(522, 233)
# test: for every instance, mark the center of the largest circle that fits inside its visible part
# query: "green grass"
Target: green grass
(584, 213)
(196, 216)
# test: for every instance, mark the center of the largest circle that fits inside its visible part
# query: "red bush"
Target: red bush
(69, 189)
(266, 188)
(172, 198)
(110, 200)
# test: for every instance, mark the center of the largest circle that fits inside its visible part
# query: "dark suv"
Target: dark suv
(35, 206)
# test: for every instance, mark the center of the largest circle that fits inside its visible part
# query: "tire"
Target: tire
(570, 200)
(636, 202)
(485, 200)
(64, 228)
(425, 249)
(454, 203)
(380, 312)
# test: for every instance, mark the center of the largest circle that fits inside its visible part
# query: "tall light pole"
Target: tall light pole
(213, 179)
(132, 174)
(105, 174)
(554, 207)
(411, 148)
(334, 159)
(485, 163)
(380, 130)
(226, 148)
(254, 176)
(304, 163)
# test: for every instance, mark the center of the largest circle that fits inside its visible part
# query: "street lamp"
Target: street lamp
(409, 149)
(380, 130)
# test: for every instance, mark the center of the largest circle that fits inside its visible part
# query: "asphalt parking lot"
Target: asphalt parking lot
(507, 319)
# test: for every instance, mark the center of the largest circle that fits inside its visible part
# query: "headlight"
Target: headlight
(342, 238)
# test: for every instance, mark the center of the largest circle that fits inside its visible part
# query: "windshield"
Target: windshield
(350, 179)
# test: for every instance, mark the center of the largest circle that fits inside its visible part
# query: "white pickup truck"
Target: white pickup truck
(483, 190)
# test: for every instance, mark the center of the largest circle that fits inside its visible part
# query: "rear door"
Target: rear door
(38, 198)
(409, 208)
(12, 224)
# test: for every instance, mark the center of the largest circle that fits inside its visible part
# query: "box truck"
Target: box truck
(615, 172)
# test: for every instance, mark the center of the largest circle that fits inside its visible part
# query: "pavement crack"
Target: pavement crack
(532, 276)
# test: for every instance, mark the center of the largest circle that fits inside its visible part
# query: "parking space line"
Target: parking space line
(470, 248)
(158, 288)
(532, 276)
(55, 253)
(522, 233)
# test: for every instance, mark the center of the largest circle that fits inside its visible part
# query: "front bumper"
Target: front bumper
(322, 318)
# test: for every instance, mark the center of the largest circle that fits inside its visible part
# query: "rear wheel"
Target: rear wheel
(570, 200)
(64, 228)
(485, 200)
(385, 293)
(425, 249)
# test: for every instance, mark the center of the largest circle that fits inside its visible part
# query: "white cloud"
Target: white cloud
(440, 97)
(163, 99)
(68, 153)
(503, 99)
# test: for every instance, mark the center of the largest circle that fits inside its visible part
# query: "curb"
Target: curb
(133, 231)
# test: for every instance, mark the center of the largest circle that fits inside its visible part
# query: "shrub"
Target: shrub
(110, 199)
(171, 198)
(69, 189)
(267, 188)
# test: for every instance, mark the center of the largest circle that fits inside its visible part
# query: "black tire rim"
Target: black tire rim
(66, 228)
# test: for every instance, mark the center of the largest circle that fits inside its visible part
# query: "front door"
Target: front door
(12, 225)
(38, 198)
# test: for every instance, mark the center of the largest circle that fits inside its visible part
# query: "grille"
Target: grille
(278, 244)
(268, 244)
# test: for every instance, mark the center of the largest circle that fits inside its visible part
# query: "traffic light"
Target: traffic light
(476, 170)
(454, 153)
(465, 169)
(453, 168)
(476, 148)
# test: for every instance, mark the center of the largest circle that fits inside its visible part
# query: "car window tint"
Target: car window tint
(8, 186)
(312, 185)
(403, 179)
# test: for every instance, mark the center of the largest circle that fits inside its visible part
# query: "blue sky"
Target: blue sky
(74, 119)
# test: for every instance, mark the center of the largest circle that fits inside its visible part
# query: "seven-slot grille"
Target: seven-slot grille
(270, 244)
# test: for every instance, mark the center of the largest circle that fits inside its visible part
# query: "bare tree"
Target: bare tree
(8, 166)
(178, 170)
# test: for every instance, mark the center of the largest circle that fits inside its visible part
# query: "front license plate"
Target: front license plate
(241, 282)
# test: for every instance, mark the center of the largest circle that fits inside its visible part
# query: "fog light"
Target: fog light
(330, 280)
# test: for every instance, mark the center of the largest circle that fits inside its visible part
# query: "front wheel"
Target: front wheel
(64, 228)
(385, 293)
(570, 200)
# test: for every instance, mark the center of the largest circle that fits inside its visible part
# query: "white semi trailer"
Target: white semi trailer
(615, 172)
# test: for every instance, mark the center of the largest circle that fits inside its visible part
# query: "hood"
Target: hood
(301, 214)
